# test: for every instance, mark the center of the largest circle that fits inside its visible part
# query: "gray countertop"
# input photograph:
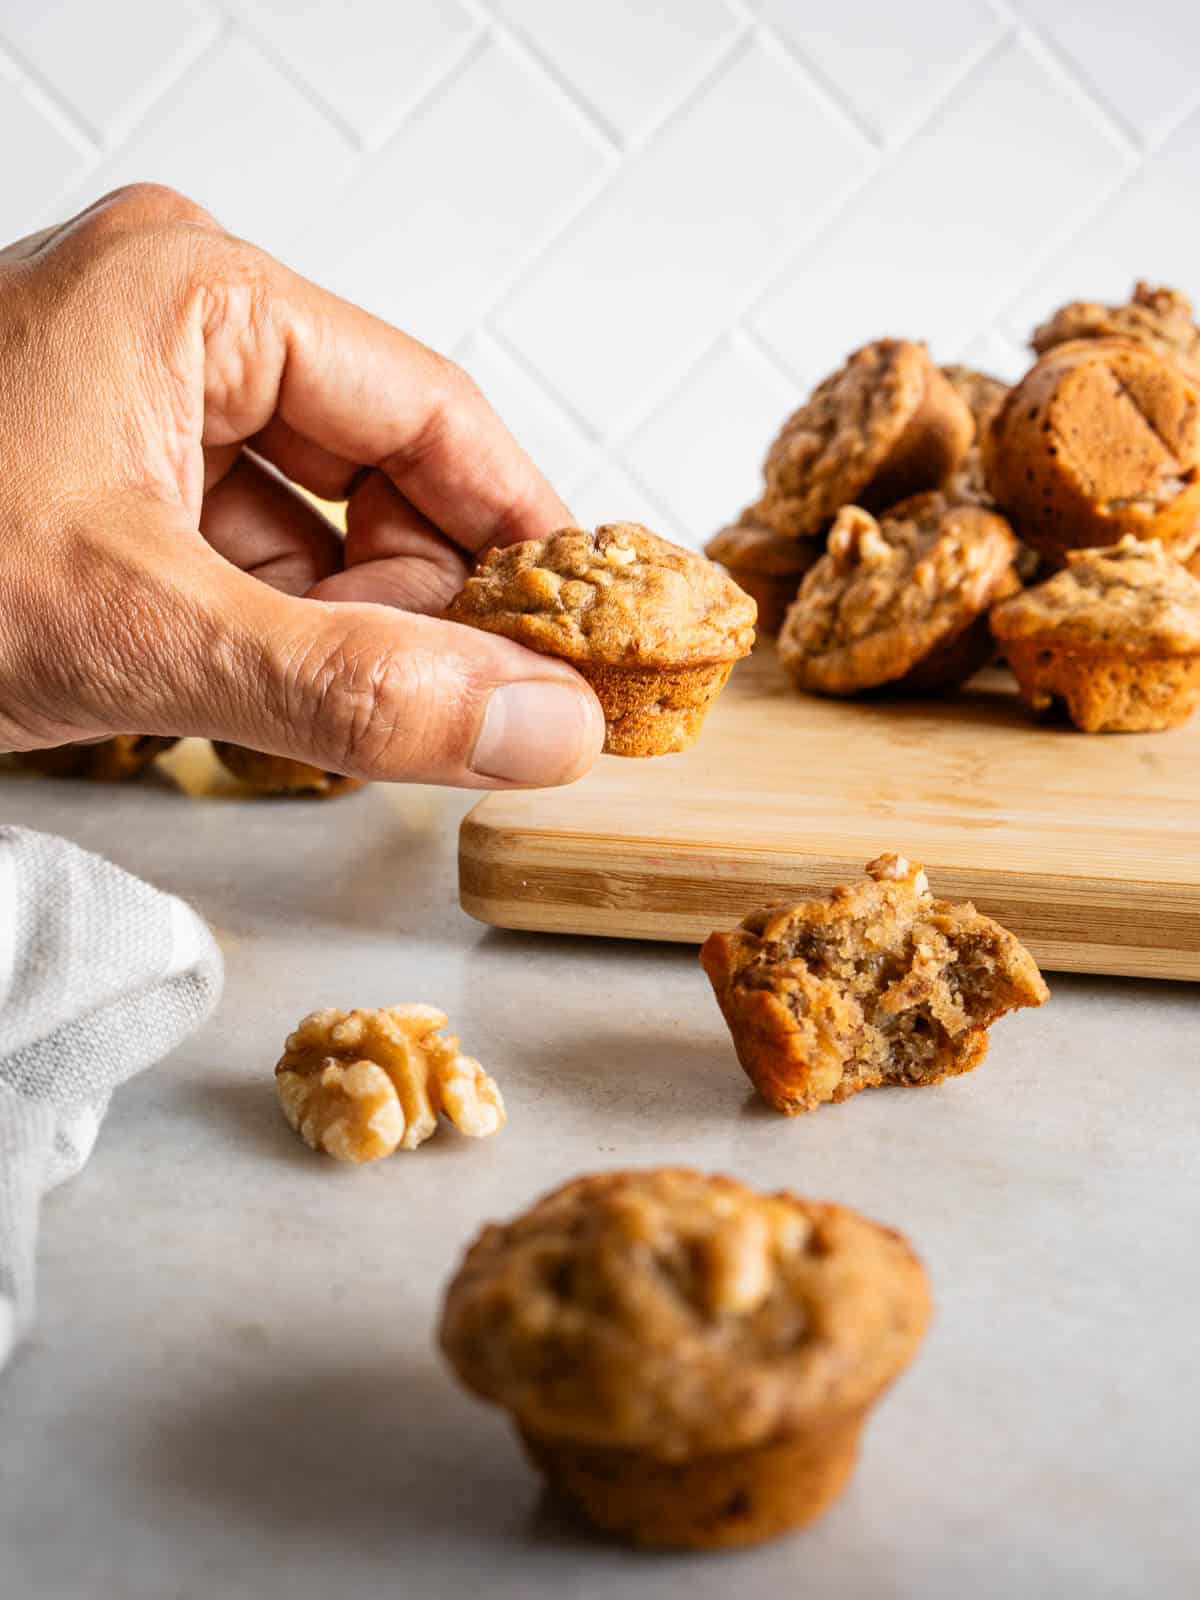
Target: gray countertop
(233, 1390)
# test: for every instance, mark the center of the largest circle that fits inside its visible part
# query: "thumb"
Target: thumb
(382, 694)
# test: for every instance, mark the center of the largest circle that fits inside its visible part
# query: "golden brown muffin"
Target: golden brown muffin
(1099, 439)
(877, 984)
(1161, 319)
(278, 775)
(1115, 638)
(655, 629)
(765, 564)
(106, 761)
(903, 601)
(688, 1360)
(884, 426)
(360, 1084)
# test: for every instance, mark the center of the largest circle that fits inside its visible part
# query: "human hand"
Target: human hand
(157, 577)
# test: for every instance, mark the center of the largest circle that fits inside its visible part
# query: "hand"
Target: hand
(159, 383)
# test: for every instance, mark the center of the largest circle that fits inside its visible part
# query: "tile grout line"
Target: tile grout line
(69, 121)
(1032, 35)
(240, 24)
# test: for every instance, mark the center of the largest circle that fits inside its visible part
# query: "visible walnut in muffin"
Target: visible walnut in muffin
(360, 1084)
(689, 1360)
(1099, 439)
(105, 761)
(278, 775)
(766, 565)
(885, 425)
(654, 628)
(1115, 638)
(902, 601)
(878, 984)
(1160, 319)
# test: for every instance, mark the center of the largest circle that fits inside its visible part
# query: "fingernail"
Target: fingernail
(539, 732)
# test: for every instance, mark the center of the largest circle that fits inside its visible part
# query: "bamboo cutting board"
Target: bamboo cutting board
(1086, 847)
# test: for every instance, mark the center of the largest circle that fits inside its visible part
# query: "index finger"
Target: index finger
(361, 390)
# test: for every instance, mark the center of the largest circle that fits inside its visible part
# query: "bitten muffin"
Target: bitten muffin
(655, 629)
(903, 601)
(687, 1360)
(277, 775)
(1115, 638)
(1099, 439)
(885, 425)
(108, 761)
(877, 984)
(766, 565)
(1161, 319)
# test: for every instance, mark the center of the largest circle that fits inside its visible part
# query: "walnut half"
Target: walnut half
(360, 1084)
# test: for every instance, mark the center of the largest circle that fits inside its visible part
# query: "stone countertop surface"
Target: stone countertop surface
(233, 1390)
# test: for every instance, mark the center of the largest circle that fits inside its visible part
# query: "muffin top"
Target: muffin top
(1159, 318)
(887, 593)
(620, 596)
(752, 548)
(1132, 596)
(829, 450)
(677, 1314)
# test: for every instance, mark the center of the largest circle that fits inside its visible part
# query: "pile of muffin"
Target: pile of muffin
(129, 755)
(906, 506)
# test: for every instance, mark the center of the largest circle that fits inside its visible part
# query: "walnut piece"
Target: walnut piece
(360, 1084)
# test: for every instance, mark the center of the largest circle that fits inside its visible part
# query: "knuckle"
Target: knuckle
(376, 712)
(154, 204)
(453, 403)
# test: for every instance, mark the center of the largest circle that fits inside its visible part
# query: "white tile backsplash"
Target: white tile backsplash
(644, 227)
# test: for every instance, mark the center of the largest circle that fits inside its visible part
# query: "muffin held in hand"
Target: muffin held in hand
(877, 984)
(765, 564)
(901, 602)
(690, 1362)
(1160, 319)
(1101, 438)
(107, 761)
(1115, 638)
(275, 775)
(655, 629)
(885, 425)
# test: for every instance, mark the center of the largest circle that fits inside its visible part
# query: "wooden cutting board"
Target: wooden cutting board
(1087, 847)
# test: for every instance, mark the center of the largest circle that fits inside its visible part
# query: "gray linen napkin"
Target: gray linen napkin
(100, 976)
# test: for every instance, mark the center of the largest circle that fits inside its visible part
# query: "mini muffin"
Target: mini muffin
(903, 601)
(882, 427)
(983, 397)
(1099, 439)
(765, 564)
(105, 761)
(655, 629)
(1161, 319)
(877, 984)
(1115, 638)
(690, 1362)
(277, 775)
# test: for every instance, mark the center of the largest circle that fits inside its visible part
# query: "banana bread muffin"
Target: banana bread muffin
(877, 984)
(903, 601)
(689, 1361)
(765, 564)
(106, 761)
(983, 397)
(275, 775)
(1099, 439)
(655, 629)
(1161, 319)
(884, 426)
(1115, 638)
